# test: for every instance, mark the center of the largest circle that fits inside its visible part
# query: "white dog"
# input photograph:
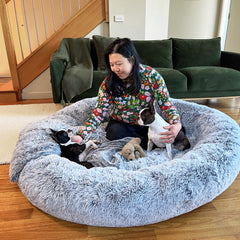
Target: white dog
(149, 117)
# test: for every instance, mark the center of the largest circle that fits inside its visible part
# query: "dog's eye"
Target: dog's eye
(128, 152)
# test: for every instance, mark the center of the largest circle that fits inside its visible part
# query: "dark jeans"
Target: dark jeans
(117, 130)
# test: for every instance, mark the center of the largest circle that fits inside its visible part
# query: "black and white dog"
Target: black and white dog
(73, 151)
(149, 117)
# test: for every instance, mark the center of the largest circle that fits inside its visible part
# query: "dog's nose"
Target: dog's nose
(69, 131)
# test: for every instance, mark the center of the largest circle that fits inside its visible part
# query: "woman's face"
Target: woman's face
(120, 65)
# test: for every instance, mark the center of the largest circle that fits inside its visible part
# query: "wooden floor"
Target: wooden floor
(217, 220)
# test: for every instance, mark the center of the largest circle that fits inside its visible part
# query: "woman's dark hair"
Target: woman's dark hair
(115, 85)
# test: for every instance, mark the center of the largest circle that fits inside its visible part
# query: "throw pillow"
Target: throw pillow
(155, 53)
(101, 44)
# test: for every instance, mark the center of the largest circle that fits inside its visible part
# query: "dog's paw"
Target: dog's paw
(92, 143)
(95, 146)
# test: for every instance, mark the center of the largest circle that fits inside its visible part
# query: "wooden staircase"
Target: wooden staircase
(90, 16)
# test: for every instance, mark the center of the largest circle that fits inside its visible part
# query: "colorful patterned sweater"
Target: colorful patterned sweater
(126, 108)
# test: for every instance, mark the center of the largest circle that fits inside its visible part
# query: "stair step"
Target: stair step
(7, 93)
(6, 85)
(8, 97)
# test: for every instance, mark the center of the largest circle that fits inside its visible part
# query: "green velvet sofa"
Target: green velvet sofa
(192, 68)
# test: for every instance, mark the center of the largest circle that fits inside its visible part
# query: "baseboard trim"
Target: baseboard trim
(36, 95)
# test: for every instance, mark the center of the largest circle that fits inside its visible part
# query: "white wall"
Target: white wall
(157, 15)
(39, 88)
(143, 19)
(193, 18)
(233, 32)
(133, 25)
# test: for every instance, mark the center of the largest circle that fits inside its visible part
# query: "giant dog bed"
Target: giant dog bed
(117, 193)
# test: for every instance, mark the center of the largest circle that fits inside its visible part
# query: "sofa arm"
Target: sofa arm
(230, 60)
(57, 68)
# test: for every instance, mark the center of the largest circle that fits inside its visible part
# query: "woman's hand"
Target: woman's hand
(170, 135)
(77, 139)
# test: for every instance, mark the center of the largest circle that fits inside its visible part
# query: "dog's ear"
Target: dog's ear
(151, 107)
(53, 135)
(53, 131)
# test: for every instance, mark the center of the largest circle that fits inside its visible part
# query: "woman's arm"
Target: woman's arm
(104, 102)
(170, 112)
(162, 96)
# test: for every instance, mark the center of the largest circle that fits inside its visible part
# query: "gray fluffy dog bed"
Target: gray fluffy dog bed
(117, 193)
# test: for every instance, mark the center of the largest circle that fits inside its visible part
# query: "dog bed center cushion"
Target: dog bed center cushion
(121, 193)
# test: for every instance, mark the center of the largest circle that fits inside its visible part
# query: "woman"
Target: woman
(128, 88)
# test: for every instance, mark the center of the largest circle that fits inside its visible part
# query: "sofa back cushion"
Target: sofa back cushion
(155, 53)
(196, 52)
(101, 44)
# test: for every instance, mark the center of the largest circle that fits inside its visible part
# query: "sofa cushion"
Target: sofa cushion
(196, 52)
(212, 78)
(101, 44)
(155, 53)
(175, 80)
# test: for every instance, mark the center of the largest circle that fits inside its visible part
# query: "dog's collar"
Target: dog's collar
(67, 143)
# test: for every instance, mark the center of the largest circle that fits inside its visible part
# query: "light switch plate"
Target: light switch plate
(119, 18)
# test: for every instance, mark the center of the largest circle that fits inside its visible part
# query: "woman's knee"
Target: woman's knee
(116, 131)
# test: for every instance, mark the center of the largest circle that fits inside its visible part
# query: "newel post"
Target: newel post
(10, 48)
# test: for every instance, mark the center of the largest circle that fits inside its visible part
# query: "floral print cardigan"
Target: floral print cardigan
(126, 108)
